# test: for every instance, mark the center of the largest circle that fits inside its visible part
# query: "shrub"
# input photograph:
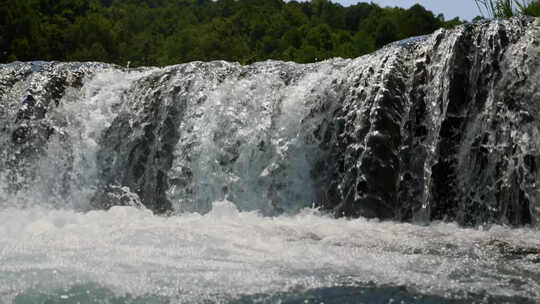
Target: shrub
(508, 8)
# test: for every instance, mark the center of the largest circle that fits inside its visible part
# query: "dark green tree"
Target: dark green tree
(163, 32)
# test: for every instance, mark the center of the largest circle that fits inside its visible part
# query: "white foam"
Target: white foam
(227, 253)
(249, 140)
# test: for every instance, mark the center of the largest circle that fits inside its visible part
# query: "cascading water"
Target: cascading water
(442, 127)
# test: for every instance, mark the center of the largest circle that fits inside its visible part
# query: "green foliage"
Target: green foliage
(508, 8)
(163, 32)
(533, 9)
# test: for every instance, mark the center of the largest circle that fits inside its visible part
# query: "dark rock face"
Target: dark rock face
(365, 181)
(442, 130)
(441, 127)
(137, 150)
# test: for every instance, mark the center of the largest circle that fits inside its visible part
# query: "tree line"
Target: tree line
(164, 32)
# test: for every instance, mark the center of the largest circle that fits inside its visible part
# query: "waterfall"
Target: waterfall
(441, 127)
(221, 183)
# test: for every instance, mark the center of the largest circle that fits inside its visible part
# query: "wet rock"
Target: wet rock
(512, 251)
(28, 92)
(121, 196)
(443, 129)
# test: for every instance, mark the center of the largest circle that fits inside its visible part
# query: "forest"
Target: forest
(164, 32)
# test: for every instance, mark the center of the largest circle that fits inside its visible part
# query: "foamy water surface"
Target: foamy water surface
(128, 253)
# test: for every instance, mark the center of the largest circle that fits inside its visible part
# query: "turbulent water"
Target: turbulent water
(126, 254)
(216, 182)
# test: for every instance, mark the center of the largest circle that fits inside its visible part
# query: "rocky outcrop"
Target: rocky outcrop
(444, 129)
